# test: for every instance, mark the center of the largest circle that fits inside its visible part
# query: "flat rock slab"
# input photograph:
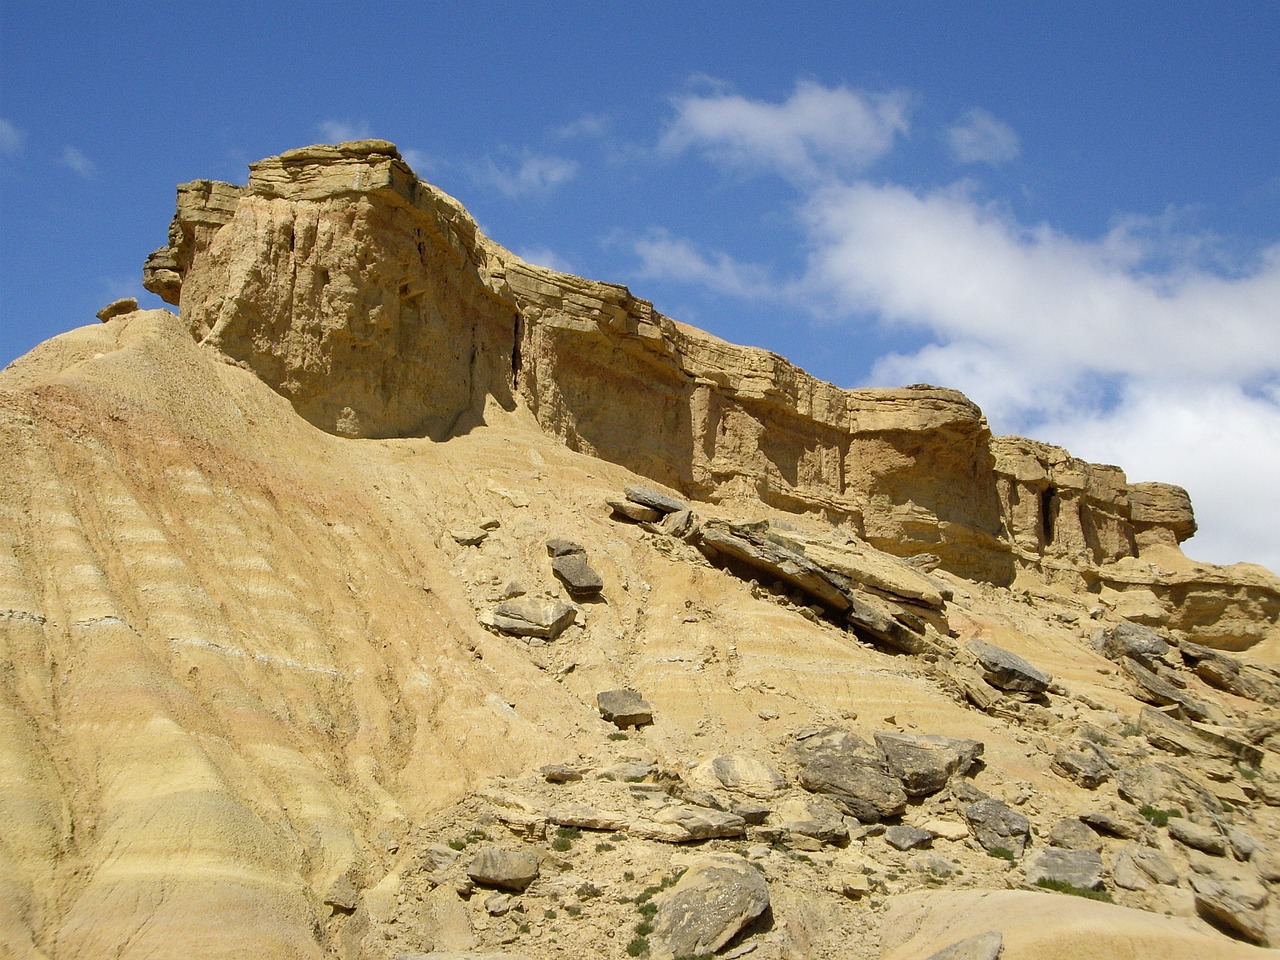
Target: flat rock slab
(578, 576)
(903, 837)
(811, 817)
(1008, 671)
(1198, 837)
(1234, 904)
(1079, 868)
(1089, 766)
(682, 823)
(503, 868)
(742, 774)
(634, 511)
(530, 617)
(653, 499)
(715, 899)
(925, 762)
(1132, 640)
(985, 946)
(844, 767)
(624, 708)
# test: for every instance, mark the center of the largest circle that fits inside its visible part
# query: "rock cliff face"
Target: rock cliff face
(371, 301)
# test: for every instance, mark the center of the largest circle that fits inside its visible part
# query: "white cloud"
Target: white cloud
(588, 125)
(978, 137)
(531, 173)
(665, 257)
(11, 139)
(340, 131)
(73, 159)
(546, 257)
(817, 132)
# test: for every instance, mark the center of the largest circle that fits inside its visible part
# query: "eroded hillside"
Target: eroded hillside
(267, 569)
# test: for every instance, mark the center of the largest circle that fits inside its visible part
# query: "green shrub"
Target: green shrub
(457, 844)
(561, 844)
(648, 908)
(603, 847)
(1002, 853)
(638, 946)
(619, 735)
(1061, 886)
(1157, 817)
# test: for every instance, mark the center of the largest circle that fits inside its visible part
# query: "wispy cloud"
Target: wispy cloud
(75, 160)
(545, 257)
(530, 173)
(339, 131)
(588, 125)
(815, 133)
(12, 139)
(978, 137)
(664, 257)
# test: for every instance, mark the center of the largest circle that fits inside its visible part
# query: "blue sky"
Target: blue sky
(1067, 210)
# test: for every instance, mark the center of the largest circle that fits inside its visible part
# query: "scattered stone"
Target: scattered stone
(1089, 766)
(946, 829)
(681, 823)
(1008, 671)
(1161, 785)
(634, 511)
(754, 813)
(1235, 905)
(530, 617)
(503, 868)
(557, 547)
(744, 774)
(624, 708)
(653, 499)
(903, 837)
(342, 896)
(997, 827)
(1072, 833)
(1166, 733)
(682, 525)
(715, 899)
(559, 773)
(498, 904)
(811, 817)
(1131, 640)
(1079, 868)
(925, 762)
(467, 536)
(629, 771)
(1156, 690)
(1153, 864)
(578, 576)
(985, 946)
(586, 816)
(850, 771)
(855, 886)
(1197, 837)
(117, 308)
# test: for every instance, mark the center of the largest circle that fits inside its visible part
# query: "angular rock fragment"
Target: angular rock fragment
(903, 837)
(925, 762)
(997, 827)
(506, 869)
(814, 817)
(1079, 868)
(559, 547)
(743, 774)
(560, 773)
(577, 575)
(653, 499)
(468, 536)
(1155, 689)
(850, 771)
(1197, 837)
(342, 896)
(1233, 904)
(681, 823)
(624, 708)
(1072, 833)
(750, 544)
(1008, 671)
(715, 899)
(1163, 731)
(1089, 766)
(1132, 640)
(530, 617)
(634, 511)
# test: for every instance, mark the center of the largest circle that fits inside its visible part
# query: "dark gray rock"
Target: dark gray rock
(1008, 671)
(715, 899)
(503, 868)
(653, 499)
(811, 817)
(903, 837)
(997, 827)
(925, 762)
(577, 575)
(844, 767)
(1080, 868)
(624, 708)
(557, 547)
(1156, 690)
(985, 946)
(531, 617)
(1132, 640)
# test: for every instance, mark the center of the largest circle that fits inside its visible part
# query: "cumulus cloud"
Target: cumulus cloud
(530, 173)
(817, 132)
(74, 160)
(340, 131)
(11, 139)
(665, 257)
(978, 137)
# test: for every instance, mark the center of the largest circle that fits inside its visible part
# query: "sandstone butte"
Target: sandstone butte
(258, 698)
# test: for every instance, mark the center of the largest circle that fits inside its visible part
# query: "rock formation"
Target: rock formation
(401, 599)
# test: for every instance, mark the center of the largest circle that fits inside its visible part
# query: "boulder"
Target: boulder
(1159, 691)
(342, 895)
(1132, 640)
(634, 511)
(1008, 671)
(903, 837)
(1204, 839)
(624, 708)
(925, 762)
(653, 499)
(681, 823)
(559, 773)
(742, 774)
(578, 576)
(1234, 904)
(997, 827)
(811, 817)
(117, 308)
(844, 767)
(468, 536)
(1113, 823)
(1072, 833)
(558, 547)
(715, 899)
(1088, 766)
(1079, 868)
(531, 617)
(503, 868)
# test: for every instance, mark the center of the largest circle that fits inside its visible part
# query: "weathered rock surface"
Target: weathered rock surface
(997, 827)
(715, 899)
(1079, 868)
(925, 762)
(983, 946)
(841, 765)
(1236, 905)
(531, 617)
(503, 868)
(624, 708)
(1008, 671)
(742, 774)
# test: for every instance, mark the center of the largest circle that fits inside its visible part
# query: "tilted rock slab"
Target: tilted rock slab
(715, 899)
(925, 762)
(841, 765)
